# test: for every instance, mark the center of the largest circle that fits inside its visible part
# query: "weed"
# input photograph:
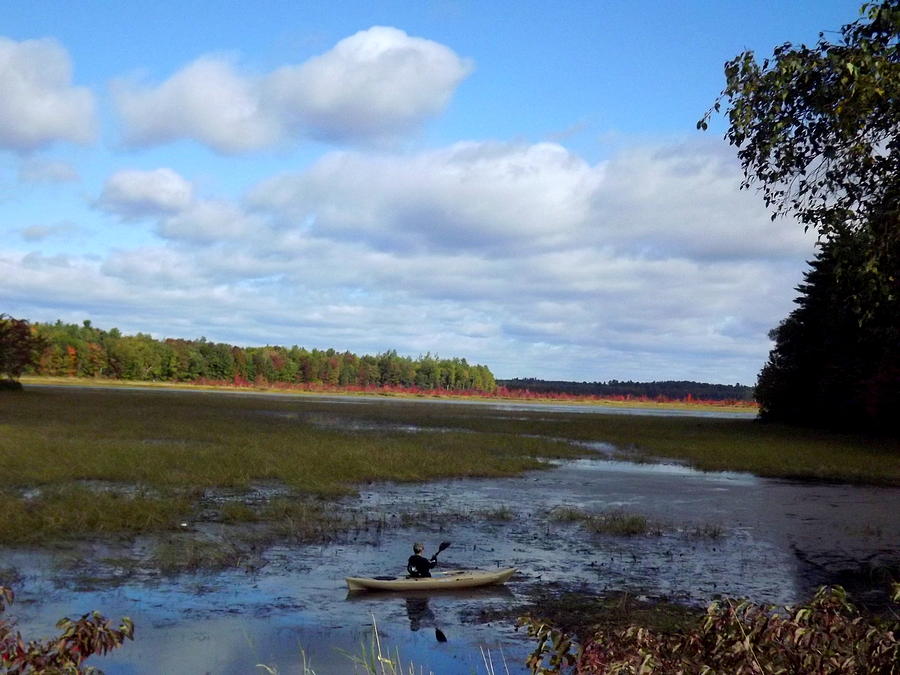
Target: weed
(708, 531)
(501, 513)
(567, 514)
(619, 523)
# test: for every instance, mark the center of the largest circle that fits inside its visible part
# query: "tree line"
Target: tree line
(86, 351)
(665, 390)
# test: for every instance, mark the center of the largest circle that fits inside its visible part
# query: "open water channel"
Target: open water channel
(773, 540)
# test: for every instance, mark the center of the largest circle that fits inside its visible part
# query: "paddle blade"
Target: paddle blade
(444, 545)
(439, 635)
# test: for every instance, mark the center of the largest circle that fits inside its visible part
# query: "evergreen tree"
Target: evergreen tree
(828, 368)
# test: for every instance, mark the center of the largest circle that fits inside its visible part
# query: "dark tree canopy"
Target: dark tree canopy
(825, 370)
(816, 130)
(20, 347)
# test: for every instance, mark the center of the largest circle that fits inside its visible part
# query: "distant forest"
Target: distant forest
(86, 351)
(667, 390)
(73, 350)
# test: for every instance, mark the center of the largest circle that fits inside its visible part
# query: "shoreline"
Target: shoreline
(749, 409)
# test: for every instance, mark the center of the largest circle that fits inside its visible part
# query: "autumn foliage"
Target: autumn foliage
(66, 653)
(826, 636)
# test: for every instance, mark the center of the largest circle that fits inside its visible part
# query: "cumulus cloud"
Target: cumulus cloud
(377, 83)
(497, 197)
(506, 199)
(133, 194)
(39, 104)
(168, 199)
(682, 200)
(208, 101)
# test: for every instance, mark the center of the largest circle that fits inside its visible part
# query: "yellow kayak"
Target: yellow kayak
(438, 581)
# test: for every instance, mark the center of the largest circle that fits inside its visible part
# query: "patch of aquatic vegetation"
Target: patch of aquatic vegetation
(500, 513)
(579, 614)
(66, 512)
(616, 523)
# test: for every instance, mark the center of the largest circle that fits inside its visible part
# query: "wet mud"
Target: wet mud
(710, 534)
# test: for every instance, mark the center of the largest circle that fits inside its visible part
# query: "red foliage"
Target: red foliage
(502, 393)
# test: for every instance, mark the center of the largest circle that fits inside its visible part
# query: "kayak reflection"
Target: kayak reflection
(421, 616)
(419, 611)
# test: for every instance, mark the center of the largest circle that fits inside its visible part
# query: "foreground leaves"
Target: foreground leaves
(91, 634)
(826, 636)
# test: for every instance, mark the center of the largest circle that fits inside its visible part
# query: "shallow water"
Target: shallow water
(779, 541)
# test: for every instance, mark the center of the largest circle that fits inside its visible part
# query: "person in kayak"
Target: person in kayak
(418, 565)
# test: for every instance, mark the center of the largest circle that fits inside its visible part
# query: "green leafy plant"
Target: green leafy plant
(64, 654)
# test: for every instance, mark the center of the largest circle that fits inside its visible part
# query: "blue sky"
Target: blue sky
(519, 183)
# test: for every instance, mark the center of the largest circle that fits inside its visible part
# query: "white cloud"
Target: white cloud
(133, 194)
(210, 220)
(377, 83)
(39, 105)
(490, 197)
(523, 257)
(207, 101)
(505, 199)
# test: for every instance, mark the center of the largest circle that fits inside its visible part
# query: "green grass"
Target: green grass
(706, 443)
(75, 512)
(170, 446)
(163, 449)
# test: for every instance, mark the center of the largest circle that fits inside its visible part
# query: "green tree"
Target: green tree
(816, 130)
(824, 369)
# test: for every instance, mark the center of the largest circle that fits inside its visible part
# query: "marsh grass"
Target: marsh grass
(169, 447)
(621, 524)
(306, 520)
(68, 512)
(501, 513)
(616, 523)
(176, 444)
(710, 444)
(567, 514)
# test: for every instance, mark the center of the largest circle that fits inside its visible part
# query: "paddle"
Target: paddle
(438, 633)
(443, 546)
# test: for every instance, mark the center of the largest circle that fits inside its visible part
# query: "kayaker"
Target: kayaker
(418, 565)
